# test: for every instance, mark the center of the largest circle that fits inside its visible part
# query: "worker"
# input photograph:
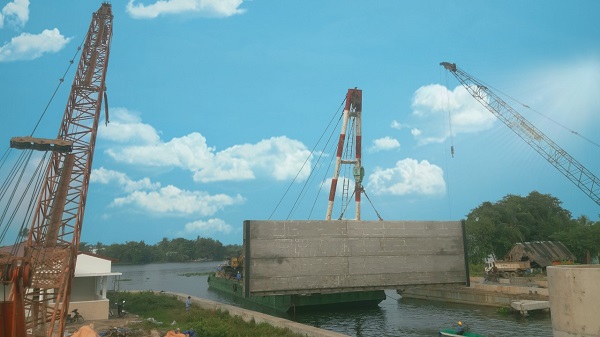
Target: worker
(461, 329)
(188, 303)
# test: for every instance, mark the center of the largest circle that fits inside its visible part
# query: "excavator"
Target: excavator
(36, 282)
(583, 178)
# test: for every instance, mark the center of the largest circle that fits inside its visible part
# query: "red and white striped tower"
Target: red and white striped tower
(352, 114)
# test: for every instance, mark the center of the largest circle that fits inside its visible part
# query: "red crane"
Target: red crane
(40, 280)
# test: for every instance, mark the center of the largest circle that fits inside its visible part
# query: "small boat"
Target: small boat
(452, 332)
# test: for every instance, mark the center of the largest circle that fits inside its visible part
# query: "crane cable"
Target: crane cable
(447, 106)
(324, 179)
(304, 164)
(345, 208)
(22, 163)
(496, 90)
(451, 133)
(36, 176)
(60, 82)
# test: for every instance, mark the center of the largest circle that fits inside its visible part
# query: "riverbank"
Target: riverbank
(161, 311)
(257, 317)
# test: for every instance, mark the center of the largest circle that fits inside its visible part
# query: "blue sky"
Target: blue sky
(216, 104)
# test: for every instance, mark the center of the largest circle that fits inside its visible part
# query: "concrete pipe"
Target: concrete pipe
(574, 300)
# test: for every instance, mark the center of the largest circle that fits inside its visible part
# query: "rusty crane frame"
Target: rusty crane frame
(42, 278)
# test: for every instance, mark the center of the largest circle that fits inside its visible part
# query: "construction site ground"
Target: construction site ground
(107, 324)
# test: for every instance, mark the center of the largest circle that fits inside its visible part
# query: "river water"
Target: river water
(394, 316)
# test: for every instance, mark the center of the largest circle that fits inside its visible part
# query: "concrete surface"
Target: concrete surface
(319, 256)
(479, 293)
(524, 306)
(574, 300)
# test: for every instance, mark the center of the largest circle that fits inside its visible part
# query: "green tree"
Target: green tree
(582, 238)
(494, 228)
(175, 250)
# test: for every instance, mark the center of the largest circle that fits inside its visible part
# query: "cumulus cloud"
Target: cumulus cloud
(398, 126)
(409, 176)
(415, 132)
(278, 158)
(383, 144)
(126, 127)
(104, 176)
(29, 46)
(206, 8)
(151, 198)
(434, 104)
(15, 13)
(210, 226)
(170, 200)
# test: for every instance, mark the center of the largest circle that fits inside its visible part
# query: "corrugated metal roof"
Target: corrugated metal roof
(543, 253)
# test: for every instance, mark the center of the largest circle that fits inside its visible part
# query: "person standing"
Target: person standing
(188, 303)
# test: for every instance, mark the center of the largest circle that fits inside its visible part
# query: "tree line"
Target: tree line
(175, 250)
(496, 227)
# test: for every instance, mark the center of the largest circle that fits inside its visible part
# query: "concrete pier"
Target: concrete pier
(574, 300)
(500, 294)
(525, 306)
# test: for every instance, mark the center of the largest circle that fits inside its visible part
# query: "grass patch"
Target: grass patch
(477, 269)
(206, 323)
(503, 310)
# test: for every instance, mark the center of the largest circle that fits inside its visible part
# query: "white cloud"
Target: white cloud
(434, 104)
(174, 201)
(104, 176)
(209, 226)
(408, 177)
(207, 8)
(279, 158)
(385, 143)
(29, 47)
(189, 152)
(16, 13)
(126, 126)
(153, 199)
(398, 126)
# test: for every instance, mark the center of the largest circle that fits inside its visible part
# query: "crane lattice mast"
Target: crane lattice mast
(351, 118)
(584, 179)
(43, 277)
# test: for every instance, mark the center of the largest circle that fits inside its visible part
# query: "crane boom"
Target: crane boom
(42, 277)
(554, 154)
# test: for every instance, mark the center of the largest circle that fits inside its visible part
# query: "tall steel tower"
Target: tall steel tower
(349, 153)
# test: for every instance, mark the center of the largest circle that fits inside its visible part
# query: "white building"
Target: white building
(88, 292)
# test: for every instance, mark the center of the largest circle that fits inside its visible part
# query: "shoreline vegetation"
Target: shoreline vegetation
(160, 311)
